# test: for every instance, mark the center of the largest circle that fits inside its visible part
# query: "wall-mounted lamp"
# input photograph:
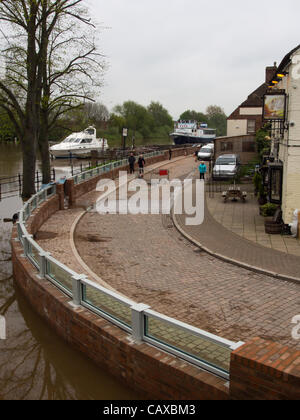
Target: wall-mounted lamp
(282, 74)
(275, 82)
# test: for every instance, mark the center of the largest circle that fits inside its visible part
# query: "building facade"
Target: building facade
(247, 118)
(286, 145)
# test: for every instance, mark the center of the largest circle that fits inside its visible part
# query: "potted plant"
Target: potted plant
(262, 195)
(257, 181)
(268, 209)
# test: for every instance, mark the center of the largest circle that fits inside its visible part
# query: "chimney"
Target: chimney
(270, 72)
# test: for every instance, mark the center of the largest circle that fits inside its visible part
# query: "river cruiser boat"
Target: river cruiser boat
(79, 145)
(192, 132)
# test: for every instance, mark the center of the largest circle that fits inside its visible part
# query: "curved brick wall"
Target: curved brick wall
(259, 370)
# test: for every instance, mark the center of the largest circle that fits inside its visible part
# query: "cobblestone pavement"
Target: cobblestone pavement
(145, 258)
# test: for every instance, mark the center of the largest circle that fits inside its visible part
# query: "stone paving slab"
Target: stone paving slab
(220, 240)
(244, 220)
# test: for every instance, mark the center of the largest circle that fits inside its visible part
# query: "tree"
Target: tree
(160, 115)
(193, 116)
(217, 119)
(43, 77)
(7, 129)
(95, 113)
(72, 75)
(136, 117)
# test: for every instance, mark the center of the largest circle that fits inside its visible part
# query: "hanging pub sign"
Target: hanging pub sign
(274, 106)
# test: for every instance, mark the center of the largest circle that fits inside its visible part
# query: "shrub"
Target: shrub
(268, 209)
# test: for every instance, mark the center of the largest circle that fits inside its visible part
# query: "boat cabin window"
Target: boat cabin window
(210, 132)
(86, 141)
(90, 131)
(69, 140)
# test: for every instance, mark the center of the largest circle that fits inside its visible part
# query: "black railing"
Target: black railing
(12, 186)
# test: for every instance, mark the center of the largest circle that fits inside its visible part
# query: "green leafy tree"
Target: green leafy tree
(194, 116)
(217, 119)
(160, 116)
(7, 129)
(136, 117)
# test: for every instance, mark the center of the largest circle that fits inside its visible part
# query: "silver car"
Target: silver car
(206, 153)
(226, 167)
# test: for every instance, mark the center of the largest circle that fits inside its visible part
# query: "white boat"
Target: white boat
(192, 132)
(79, 145)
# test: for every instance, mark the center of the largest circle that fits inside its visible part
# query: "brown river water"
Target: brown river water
(35, 364)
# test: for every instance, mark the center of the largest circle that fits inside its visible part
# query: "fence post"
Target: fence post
(137, 318)
(43, 263)
(26, 244)
(76, 288)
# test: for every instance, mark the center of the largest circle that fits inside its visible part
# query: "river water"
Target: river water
(34, 362)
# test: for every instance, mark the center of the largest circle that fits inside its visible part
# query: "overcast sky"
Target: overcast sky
(188, 54)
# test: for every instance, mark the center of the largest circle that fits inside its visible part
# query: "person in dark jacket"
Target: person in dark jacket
(141, 163)
(170, 154)
(131, 161)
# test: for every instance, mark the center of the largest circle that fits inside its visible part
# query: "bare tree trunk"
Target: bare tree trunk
(43, 143)
(29, 164)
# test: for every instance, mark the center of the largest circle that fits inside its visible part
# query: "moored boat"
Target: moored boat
(192, 132)
(79, 145)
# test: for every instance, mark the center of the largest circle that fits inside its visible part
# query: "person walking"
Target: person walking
(141, 163)
(170, 154)
(202, 170)
(131, 161)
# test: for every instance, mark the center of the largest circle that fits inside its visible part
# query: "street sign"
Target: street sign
(125, 132)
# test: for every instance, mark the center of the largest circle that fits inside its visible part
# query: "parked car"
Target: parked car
(206, 153)
(226, 167)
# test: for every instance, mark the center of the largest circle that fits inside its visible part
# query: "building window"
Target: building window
(249, 147)
(227, 147)
(251, 126)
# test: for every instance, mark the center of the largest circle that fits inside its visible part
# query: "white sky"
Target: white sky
(188, 54)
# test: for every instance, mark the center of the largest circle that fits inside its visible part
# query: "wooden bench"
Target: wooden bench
(234, 193)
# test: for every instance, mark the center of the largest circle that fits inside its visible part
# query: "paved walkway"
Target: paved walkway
(218, 239)
(146, 259)
(244, 220)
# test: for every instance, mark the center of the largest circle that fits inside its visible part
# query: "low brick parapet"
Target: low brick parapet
(263, 370)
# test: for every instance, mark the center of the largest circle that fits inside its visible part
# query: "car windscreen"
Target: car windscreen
(226, 161)
(205, 150)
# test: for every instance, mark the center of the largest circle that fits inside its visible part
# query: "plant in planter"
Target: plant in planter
(262, 195)
(268, 210)
(257, 181)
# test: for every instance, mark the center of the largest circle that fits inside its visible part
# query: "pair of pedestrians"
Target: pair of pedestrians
(141, 164)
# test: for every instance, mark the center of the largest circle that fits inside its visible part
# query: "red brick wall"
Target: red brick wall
(151, 372)
(259, 370)
(90, 185)
(262, 370)
(46, 210)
